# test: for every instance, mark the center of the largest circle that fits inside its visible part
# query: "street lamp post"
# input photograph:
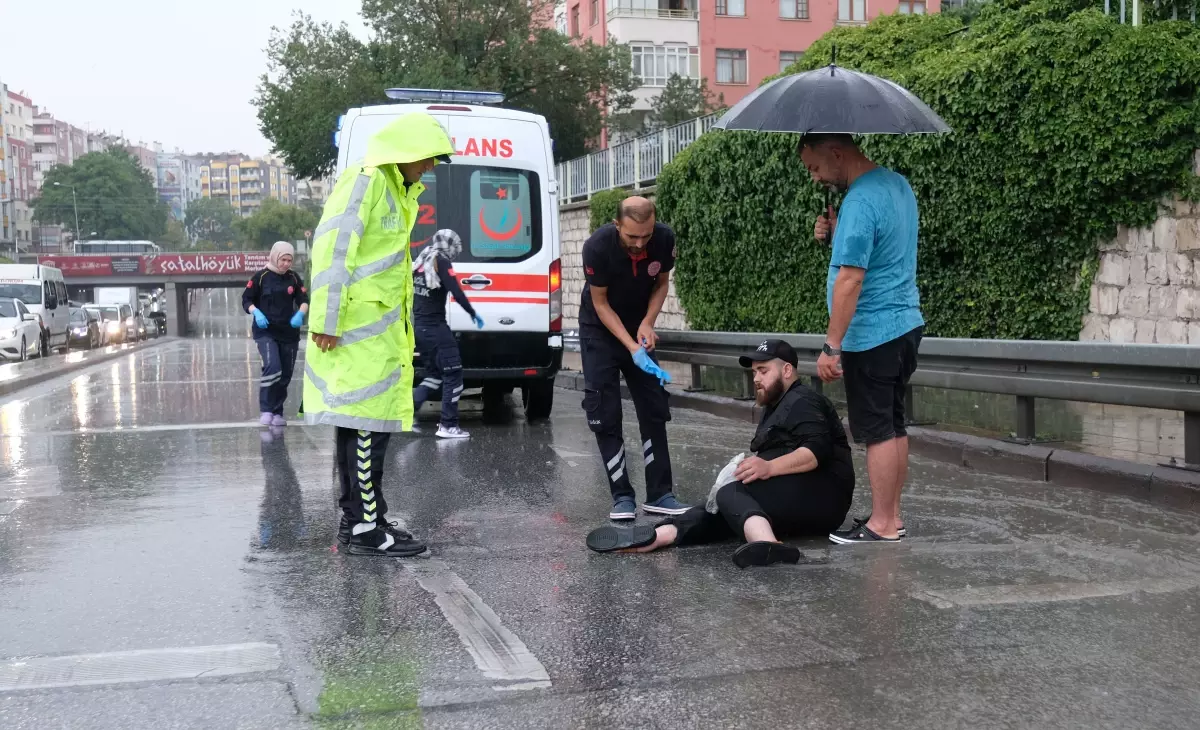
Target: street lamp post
(75, 202)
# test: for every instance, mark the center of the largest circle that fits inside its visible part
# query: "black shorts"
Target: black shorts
(875, 383)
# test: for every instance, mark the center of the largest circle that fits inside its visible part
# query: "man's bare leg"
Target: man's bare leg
(902, 449)
(883, 470)
(758, 529)
(664, 536)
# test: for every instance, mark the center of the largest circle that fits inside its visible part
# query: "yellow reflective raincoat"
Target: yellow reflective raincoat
(362, 285)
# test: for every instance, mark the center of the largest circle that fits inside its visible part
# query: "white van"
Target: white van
(500, 195)
(44, 293)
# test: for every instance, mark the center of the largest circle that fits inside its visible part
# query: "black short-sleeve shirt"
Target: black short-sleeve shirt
(629, 280)
(804, 417)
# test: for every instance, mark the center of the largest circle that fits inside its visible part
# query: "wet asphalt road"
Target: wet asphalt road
(165, 562)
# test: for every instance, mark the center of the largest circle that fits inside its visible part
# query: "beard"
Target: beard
(770, 394)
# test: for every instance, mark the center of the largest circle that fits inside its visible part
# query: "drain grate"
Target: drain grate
(148, 665)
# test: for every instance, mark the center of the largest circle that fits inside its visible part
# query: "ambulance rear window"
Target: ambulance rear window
(496, 210)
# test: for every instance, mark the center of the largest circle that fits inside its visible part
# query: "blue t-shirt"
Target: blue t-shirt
(877, 231)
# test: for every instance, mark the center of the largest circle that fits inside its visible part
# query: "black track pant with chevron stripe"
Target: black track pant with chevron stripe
(360, 459)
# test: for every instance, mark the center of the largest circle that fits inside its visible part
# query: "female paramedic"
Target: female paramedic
(278, 301)
(433, 279)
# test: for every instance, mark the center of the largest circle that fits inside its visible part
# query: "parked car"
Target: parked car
(20, 331)
(85, 329)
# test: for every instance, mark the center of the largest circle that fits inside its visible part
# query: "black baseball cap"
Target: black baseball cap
(770, 350)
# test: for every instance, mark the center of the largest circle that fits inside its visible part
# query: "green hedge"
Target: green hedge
(1065, 122)
(603, 207)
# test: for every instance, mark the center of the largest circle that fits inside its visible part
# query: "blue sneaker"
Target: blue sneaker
(624, 508)
(666, 505)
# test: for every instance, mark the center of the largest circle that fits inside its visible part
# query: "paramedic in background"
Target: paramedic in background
(433, 279)
(358, 373)
(277, 300)
(626, 265)
(875, 321)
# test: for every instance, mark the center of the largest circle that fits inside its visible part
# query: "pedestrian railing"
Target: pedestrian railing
(632, 164)
(1145, 376)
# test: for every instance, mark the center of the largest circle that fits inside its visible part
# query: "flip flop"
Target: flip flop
(765, 553)
(610, 538)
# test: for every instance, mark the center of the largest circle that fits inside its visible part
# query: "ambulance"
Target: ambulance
(500, 195)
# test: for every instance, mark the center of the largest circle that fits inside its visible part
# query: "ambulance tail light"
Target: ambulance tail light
(556, 307)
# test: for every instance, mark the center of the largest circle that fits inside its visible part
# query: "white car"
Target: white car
(20, 332)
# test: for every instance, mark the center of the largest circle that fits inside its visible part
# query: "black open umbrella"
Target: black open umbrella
(833, 100)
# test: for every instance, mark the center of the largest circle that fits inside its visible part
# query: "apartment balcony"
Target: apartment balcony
(658, 9)
(666, 23)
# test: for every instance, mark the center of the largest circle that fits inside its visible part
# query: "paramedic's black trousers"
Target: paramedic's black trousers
(443, 369)
(605, 360)
(360, 458)
(796, 505)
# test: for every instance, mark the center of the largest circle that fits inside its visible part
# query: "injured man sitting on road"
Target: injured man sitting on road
(799, 481)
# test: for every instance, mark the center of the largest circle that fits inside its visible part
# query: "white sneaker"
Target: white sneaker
(451, 432)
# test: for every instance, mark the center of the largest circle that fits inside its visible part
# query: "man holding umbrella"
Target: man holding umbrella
(875, 321)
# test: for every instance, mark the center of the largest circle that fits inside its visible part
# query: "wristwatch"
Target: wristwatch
(830, 351)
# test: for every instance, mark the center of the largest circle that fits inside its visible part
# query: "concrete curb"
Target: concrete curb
(1163, 485)
(89, 359)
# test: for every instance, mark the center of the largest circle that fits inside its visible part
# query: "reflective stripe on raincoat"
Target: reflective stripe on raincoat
(362, 285)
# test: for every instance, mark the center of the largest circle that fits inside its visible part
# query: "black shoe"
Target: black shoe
(378, 543)
(345, 529)
(765, 553)
(393, 528)
(608, 538)
(864, 520)
(857, 534)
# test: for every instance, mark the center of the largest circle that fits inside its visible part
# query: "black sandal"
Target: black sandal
(765, 553)
(610, 538)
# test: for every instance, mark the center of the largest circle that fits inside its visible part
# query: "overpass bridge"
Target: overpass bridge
(176, 273)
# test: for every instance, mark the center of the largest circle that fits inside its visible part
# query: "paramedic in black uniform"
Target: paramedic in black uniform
(626, 264)
(433, 277)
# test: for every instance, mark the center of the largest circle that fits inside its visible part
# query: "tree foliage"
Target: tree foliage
(274, 221)
(115, 197)
(1066, 125)
(317, 71)
(210, 219)
(680, 100)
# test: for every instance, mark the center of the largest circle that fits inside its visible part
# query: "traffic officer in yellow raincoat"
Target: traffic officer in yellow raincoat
(358, 377)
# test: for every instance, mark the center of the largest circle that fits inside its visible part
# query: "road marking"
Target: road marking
(146, 665)
(150, 429)
(1049, 592)
(498, 653)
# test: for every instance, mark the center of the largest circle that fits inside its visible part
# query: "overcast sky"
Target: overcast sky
(181, 74)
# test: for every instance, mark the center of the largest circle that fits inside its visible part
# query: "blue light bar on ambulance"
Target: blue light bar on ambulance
(482, 98)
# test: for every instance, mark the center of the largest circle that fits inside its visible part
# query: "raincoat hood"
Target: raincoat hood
(410, 138)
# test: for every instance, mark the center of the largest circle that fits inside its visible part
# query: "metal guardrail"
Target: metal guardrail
(1145, 376)
(634, 164)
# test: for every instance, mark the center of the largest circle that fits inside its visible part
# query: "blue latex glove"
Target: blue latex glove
(260, 319)
(642, 359)
(297, 319)
(477, 320)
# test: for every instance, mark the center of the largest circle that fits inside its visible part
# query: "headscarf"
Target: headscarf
(445, 242)
(278, 251)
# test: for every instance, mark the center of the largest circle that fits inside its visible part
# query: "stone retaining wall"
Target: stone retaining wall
(1148, 286)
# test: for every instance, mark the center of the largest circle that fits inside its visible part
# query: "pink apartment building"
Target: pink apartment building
(734, 44)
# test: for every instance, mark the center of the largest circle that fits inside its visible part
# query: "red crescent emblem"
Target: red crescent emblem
(506, 235)
(654, 268)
